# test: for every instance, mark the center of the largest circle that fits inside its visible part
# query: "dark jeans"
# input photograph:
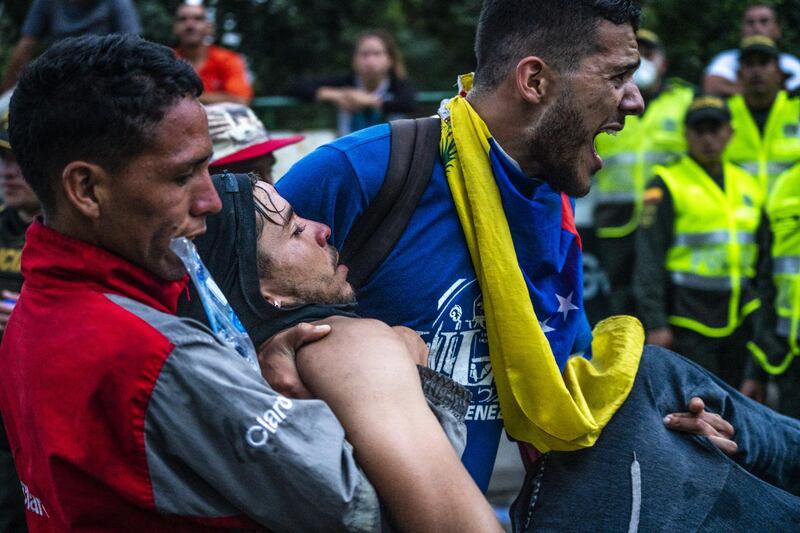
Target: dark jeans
(687, 484)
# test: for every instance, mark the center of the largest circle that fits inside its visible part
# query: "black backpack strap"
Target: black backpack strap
(414, 148)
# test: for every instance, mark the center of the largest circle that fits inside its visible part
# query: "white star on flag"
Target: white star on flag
(545, 327)
(565, 305)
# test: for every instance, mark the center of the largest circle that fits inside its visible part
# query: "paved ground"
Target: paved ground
(506, 480)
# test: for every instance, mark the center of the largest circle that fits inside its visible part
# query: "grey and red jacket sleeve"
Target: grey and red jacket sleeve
(220, 442)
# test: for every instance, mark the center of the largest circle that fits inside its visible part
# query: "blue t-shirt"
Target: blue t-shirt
(427, 282)
(66, 18)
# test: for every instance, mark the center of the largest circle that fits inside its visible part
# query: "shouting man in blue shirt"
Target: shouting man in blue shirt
(490, 266)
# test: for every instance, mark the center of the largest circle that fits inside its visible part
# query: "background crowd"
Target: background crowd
(692, 225)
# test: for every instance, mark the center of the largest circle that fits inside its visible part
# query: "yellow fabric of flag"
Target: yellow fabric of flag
(540, 405)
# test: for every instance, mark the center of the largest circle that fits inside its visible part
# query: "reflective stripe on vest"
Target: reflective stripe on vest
(628, 157)
(766, 155)
(773, 169)
(705, 283)
(786, 265)
(714, 244)
(623, 182)
(616, 198)
(712, 237)
(783, 211)
(784, 327)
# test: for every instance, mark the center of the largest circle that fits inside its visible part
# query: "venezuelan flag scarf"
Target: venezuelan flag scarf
(547, 398)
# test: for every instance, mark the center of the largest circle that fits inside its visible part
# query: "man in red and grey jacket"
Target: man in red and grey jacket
(122, 416)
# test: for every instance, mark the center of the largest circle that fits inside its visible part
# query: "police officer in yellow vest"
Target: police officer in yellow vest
(777, 341)
(765, 118)
(697, 249)
(655, 137)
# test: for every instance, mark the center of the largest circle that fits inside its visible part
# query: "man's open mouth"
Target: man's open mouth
(612, 129)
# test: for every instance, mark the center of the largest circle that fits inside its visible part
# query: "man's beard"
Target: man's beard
(561, 135)
(318, 291)
(321, 289)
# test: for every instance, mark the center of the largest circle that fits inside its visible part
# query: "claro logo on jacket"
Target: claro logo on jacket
(268, 423)
(32, 503)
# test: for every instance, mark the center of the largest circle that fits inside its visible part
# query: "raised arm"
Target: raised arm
(365, 371)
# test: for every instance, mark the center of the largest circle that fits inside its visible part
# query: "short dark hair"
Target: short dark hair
(560, 32)
(92, 98)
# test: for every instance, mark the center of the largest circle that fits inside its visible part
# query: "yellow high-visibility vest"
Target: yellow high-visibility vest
(714, 244)
(629, 156)
(778, 149)
(783, 211)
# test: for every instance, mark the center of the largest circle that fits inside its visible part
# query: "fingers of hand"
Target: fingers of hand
(688, 423)
(282, 376)
(708, 424)
(286, 342)
(727, 446)
(718, 423)
(696, 405)
(701, 426)
(304, 333)
(290, 386)
(289, 389)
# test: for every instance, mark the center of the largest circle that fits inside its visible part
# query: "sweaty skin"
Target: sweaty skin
(365, 372)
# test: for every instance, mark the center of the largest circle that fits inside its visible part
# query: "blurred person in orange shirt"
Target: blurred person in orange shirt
(222, 71)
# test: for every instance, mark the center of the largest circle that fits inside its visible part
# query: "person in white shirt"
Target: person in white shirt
(720, 75)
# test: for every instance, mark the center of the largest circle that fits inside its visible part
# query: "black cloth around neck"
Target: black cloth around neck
(228, 249)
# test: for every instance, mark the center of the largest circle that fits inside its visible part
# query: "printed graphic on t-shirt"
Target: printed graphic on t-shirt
(459, 347)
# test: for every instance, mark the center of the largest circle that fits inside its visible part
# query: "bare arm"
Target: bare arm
(414, 343)
(337, 96)
(364, 371)
(20, 57)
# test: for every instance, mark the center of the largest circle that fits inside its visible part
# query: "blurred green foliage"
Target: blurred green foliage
(693, 31)
(284, 39)
(287, 39)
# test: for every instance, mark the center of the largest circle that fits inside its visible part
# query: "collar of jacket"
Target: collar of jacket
(54, 261)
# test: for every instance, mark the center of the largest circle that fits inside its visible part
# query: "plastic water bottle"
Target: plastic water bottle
(221, 315)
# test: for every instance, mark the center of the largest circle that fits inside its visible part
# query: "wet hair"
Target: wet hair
(561, 33)
(96, 99)
(228, 249)
(398, 68)
(265, 212)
